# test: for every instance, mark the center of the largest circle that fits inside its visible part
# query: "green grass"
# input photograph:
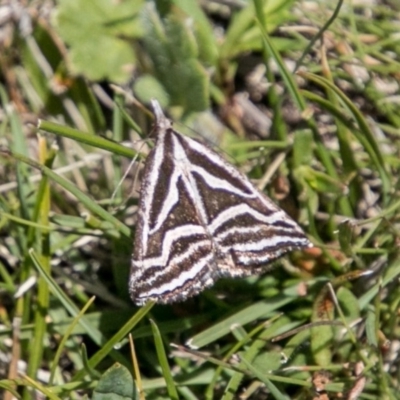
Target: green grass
(68, 134)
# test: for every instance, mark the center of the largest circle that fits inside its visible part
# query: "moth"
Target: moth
(200, 219)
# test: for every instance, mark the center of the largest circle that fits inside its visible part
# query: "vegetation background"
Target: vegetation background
(303, 96)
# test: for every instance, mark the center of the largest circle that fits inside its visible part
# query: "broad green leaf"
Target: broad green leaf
(176, 66)
(351, 310)
(322, 335)
(297, 352)
(346, 236)
(147, 87)
(370, 328)
(208, 50)
(268, 361)
(98, 34)
(321, 182)
(116, 384)
(241, 317)
(348, 303)
(302, 148)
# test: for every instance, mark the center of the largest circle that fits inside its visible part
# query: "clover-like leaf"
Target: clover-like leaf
(98, 33)
(116, 384)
